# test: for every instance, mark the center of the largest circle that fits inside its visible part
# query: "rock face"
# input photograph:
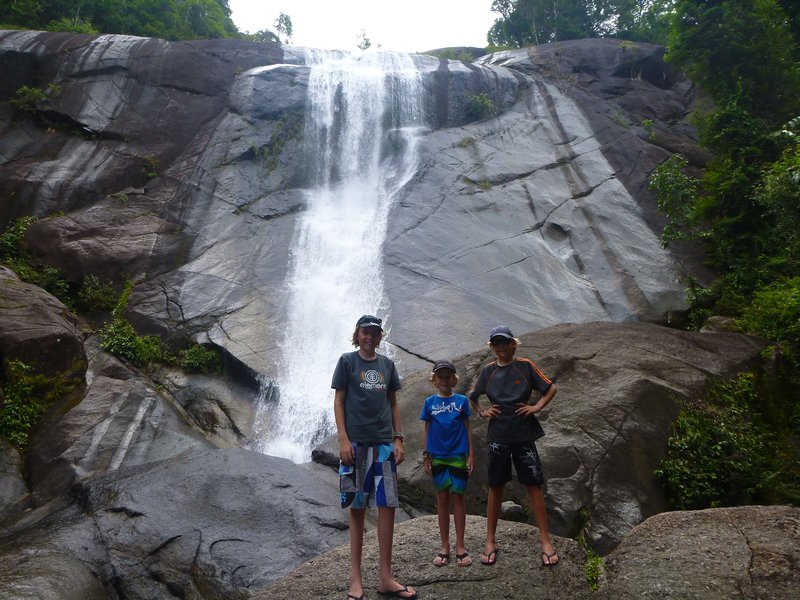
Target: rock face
(190, 181)
(208, 524)
(745, 552)
(720, 554)
(38, 330)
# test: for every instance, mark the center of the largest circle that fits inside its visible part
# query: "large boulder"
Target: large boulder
(744, 553)
(211, 524)
(725, 554)
(38, 330)
(619, 390)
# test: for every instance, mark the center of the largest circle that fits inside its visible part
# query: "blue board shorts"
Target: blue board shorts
(450, 473)
(371, 480)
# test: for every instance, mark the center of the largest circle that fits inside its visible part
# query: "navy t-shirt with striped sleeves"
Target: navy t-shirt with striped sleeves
(506, 387)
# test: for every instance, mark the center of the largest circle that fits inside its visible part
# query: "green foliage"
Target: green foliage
(525, 22)
(34, 100)
(199, 359)
(96, 295)
(466, 142)
(72, 25)
(619, 119)
(119, 337)
(594, 565)
(676, 195)
(283, 25)
(721, 452)
(22, 403)
(774, 312)
(13, 255)
(648, 127)
(745, 49)
(168, 19)
(362, 41)
(480, 106)
(779, 191)
(150, 167)
(286, 128)
(26, 395)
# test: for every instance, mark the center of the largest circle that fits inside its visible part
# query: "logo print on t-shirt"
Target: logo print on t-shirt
(372, 380)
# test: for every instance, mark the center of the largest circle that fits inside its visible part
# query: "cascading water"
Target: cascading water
(364, 114)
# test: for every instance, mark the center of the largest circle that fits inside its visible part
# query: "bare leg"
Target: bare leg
(443, 511)
(492, 515)
(386, 581)
(536, 497)
(356, 545)
(460, 520)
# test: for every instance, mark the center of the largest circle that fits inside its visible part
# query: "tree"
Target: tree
(363, 41)
(525, 22)
(744, 55)
(283, 25)
(168, 19)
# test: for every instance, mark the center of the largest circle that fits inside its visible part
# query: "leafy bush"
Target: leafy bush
(199, 359)
(676, 194)
(72, 25)
(21, 407)
(96, 295)
(12, 254)
(775, 312)
(480, 107)
(120, 338)
(26, 395)
(720, 453)
(31, 99)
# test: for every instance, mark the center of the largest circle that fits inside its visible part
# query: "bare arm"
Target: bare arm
(399, 450)
(470, 454)
(345, 446)
(426, 461)
(531, 409)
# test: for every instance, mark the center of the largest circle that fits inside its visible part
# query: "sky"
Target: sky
(398, 25)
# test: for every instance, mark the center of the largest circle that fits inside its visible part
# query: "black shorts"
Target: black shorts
(526, 462)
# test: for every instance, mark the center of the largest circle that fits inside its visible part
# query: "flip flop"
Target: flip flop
(441, 559)
(491, 558)
(398, 593)
(464, 560)
(352, 597)
(549, 557)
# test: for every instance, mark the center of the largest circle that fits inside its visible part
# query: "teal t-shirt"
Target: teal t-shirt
(368, 416)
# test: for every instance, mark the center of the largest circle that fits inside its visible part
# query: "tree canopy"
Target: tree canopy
(168, 19)
(525, 22)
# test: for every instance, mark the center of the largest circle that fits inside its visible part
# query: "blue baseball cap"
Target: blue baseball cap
(501, 331)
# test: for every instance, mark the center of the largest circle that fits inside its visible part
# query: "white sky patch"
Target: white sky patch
(402, 26)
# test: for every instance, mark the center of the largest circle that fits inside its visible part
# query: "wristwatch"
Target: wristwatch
(399, 436)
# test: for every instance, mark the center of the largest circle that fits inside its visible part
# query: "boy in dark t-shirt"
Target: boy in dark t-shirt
(370, 448)
(509, 382)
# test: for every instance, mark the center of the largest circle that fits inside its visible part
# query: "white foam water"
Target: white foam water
(364, 117)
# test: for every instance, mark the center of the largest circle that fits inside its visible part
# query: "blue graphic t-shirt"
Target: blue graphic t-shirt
(447, 433)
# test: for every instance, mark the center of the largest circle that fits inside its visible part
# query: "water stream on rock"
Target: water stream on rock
(364, 115)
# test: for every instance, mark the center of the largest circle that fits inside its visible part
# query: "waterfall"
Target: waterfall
(364, 115)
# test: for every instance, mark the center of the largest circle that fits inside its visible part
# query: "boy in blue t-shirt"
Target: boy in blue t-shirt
(448, 456)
